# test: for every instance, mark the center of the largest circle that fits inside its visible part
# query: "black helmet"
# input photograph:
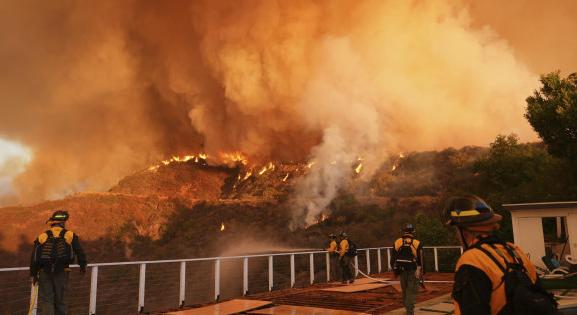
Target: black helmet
(469, 211)
(332, 236)
(59, 216)
(344, 235)
(408, 228)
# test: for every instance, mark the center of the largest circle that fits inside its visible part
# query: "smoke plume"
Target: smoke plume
(99, 89)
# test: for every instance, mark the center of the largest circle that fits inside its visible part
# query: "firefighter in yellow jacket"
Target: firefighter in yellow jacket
(333, 251)
(345, 260)
(54, 251)
(484, 273)
(407, 258)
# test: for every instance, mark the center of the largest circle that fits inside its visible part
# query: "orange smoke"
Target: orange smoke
(99, 89)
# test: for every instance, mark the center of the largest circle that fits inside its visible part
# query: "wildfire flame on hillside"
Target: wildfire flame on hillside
(359, 168)
(396, 163)
(222, 226)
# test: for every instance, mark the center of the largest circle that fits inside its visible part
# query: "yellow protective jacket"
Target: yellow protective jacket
(70, 238)
(476, 258)
(416, 248)
(343, 247)
(332, 247)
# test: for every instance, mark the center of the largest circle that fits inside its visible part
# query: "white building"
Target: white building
(527, 219)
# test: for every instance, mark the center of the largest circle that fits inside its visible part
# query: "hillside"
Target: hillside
(178, 210)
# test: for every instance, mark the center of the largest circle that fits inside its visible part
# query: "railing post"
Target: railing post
(270, 273)
(356, 266)
(141, 286)
(216, 279)
(245, 276)
(292, 270)
(182, 295)
(93, 288)
(461, 248)
(328, 259)
(368, 261)
(436, 259)
(312, 268)
(34, 299)
(389, 259)
(379, 268)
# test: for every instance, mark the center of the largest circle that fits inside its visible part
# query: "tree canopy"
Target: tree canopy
(552, 112)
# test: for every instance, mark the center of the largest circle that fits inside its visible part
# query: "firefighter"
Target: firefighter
(407, 258)
(490, 266)
(333, 255)
(345, 260)
(54, 250)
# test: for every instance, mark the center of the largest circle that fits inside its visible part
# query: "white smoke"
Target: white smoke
(340, 100)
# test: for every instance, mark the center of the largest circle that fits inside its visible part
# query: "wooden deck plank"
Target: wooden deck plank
(356, 288)
(302, 310)
(225, 308)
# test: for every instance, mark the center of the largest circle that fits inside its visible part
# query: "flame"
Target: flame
(182, 159)
(394, 168)
(333, 163)
(286, 177)
(222, 226)
(359, 168)
(263, 170)
(271, 166)
(401, 155)
(225, 158)
(247, 175)
(321, 218)
(311, 164)
(234, 157)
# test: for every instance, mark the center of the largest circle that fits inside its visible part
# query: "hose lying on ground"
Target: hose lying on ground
(396, 281)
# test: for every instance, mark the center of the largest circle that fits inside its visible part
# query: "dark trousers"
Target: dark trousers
(346, 273)
(409, 285)
(334, 267)
(51, 290)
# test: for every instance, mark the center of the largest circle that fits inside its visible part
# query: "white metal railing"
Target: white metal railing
(245, 271)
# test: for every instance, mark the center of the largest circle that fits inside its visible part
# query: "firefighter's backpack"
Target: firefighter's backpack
(405, 254)
(352, 251)
(523, 296)
(55, 253)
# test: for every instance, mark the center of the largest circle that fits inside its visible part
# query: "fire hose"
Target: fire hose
(33, 299)
(397, 281)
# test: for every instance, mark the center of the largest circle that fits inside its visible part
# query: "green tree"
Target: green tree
(552, 112)
(431, 230)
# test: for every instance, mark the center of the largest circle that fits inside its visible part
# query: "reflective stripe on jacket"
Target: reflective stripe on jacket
(478, 259)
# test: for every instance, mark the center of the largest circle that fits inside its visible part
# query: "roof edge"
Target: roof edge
(540, 205)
